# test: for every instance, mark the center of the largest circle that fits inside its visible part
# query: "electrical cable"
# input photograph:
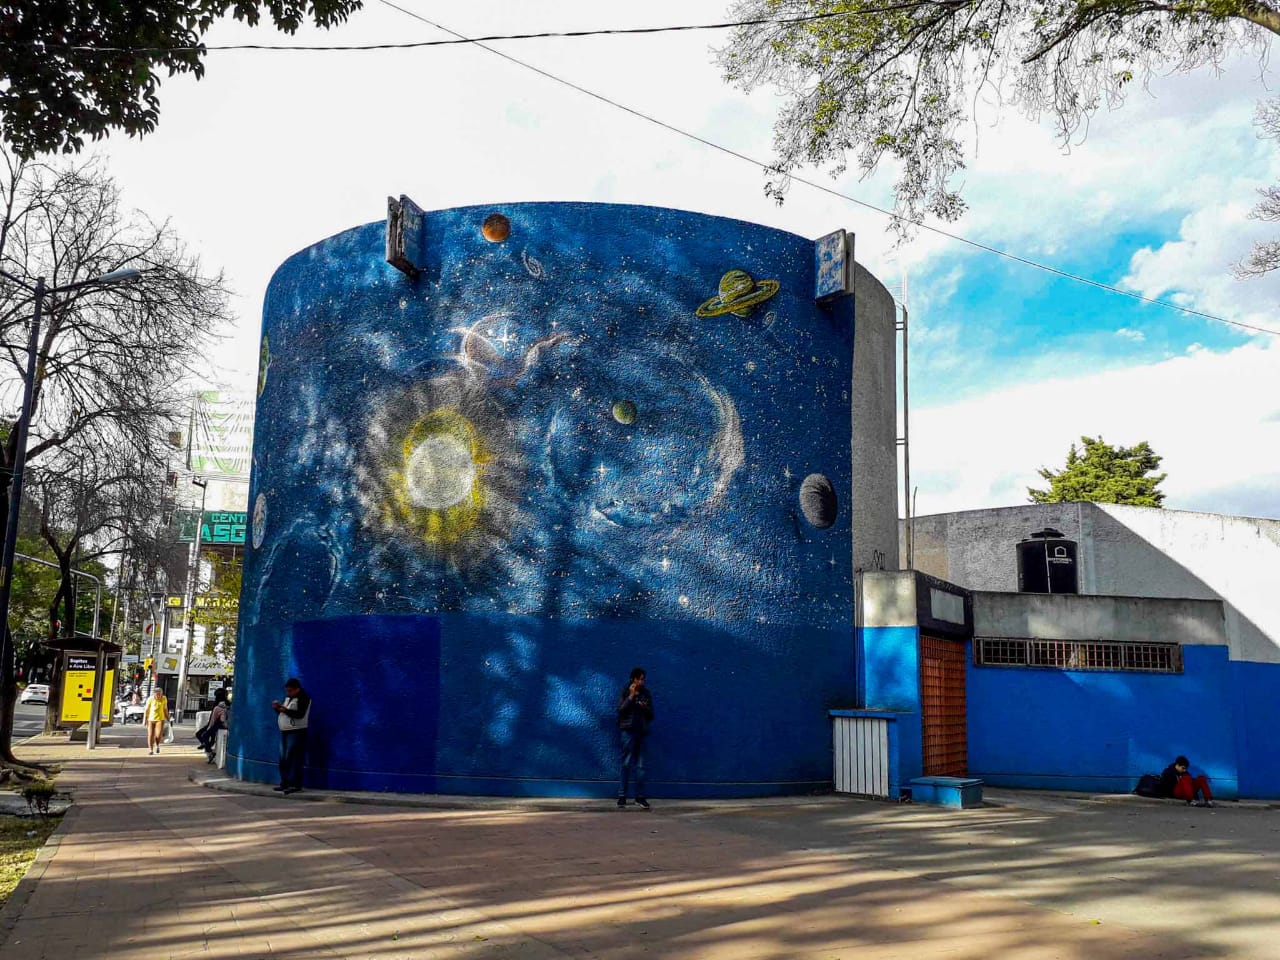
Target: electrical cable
(460, 39)
(959, 238)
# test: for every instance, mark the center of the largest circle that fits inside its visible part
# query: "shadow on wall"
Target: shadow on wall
(520, 706)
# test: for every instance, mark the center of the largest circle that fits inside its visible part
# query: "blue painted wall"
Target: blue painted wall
(1257, 719)
(889, 680)
(1082, 730)
(479, 498)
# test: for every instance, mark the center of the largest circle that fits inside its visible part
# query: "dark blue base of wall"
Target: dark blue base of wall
(517, 706)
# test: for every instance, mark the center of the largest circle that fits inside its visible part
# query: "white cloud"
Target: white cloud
(1194, 269)
(1211, 415)
(1137, 336)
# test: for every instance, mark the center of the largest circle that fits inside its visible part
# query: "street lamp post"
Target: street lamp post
(39, 292)
(188, 622)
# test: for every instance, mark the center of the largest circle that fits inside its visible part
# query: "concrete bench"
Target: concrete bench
(961, 792)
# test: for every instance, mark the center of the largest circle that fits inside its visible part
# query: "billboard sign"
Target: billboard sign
(77, 690)
(220, 526)
(220, 442)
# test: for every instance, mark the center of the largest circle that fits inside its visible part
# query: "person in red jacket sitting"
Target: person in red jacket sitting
(1178, 783)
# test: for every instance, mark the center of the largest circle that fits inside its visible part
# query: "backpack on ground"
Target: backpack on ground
(1148, 785)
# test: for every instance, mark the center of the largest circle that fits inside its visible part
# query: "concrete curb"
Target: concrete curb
(213, 779)
(12, 910)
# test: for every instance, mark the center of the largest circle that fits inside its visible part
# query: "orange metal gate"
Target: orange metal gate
(946, 746)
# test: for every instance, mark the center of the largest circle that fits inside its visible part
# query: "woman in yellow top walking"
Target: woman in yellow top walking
(156, 713)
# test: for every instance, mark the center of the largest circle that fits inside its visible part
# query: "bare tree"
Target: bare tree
(112, 361)
(90, 500)
(1265, 255)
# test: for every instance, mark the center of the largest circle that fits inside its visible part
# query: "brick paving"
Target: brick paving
(150, 865)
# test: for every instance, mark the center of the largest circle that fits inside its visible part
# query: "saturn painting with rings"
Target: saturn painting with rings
(739, 292)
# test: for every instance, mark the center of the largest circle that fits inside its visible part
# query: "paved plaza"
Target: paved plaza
(149, 864)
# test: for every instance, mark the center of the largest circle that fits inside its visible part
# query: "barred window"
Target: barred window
(1077, 654)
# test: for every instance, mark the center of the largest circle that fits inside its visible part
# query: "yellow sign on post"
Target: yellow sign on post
(77, 690)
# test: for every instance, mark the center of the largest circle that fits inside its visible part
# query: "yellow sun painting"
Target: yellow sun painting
(437, 489)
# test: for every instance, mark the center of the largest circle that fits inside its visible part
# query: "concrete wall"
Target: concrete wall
(571, 446)
(1126, 551)
(1134, 619)
(874, 426)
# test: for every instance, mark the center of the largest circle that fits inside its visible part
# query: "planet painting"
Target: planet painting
(624, 411)
(818, 501)
(264, 363)
(495, 228)
(739, 292)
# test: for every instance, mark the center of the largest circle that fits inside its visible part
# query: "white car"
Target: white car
(35, 693)
(130, 712)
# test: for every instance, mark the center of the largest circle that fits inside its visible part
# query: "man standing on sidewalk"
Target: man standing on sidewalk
(291, 717)
(635, 713)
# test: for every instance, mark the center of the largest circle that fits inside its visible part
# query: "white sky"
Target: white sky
(271, 152)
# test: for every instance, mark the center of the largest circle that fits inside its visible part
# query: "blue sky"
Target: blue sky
(271, 152)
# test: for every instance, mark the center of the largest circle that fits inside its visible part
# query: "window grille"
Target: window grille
(1077, 654)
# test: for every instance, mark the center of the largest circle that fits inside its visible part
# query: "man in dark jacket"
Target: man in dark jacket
(635, 713)
(291, 717)
(1177, 782)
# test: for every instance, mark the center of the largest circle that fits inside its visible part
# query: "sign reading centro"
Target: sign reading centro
(220, 526)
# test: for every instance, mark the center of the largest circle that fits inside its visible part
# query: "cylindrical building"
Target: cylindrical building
(563, 440)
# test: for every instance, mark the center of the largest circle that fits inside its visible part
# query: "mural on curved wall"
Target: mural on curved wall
(586, 437)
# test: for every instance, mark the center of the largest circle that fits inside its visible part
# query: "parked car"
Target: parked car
(130, 712)
(35, 693)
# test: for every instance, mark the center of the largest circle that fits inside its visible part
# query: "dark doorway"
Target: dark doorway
(942, 707)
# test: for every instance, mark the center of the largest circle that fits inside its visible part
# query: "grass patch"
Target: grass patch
(20, 839)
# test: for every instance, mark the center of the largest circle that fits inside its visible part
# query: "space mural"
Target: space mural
(576, 438)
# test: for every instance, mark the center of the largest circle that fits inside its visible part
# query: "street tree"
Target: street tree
(221, 615)
(897, 79)
(112, 360)
(89, 499)
(77, 69)
(1101, 473)
(33, 586)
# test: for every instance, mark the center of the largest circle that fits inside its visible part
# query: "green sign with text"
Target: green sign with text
(220, 526)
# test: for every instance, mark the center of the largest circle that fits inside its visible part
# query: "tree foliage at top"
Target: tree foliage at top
(1101, 473)
(897, 79)
(71, 69)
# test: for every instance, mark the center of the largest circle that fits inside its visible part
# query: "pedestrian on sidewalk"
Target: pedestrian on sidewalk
(1177, 782)
(635, 714)
(155, 713)
(291, 716)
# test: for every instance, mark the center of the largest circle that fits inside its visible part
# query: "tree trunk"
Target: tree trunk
(8, 658)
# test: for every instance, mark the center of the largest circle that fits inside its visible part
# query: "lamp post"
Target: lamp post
(39, 291)
(188, 624)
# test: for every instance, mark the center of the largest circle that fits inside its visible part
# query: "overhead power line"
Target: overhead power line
(959, 238)
(459, 39)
